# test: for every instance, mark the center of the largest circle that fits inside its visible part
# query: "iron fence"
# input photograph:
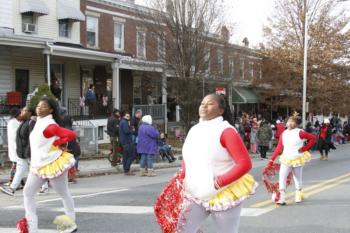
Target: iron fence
(87, 136)
(8, 102)
(157, 111)
(79, 110)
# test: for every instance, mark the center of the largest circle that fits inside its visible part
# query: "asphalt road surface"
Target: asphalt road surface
(124, 204)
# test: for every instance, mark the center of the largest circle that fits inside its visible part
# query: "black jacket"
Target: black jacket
(22, 139)
(113, 126)
(135, 123)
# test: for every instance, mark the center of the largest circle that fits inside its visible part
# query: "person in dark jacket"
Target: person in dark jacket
(113, 132)
(22, 149)
(324, 139)
(165, 149)
(264, 136)
(90, 100)
(55, 89)
(147, 145)
(125, 140)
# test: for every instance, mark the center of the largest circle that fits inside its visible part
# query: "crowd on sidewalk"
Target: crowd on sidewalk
(260, 135)
(137, 139)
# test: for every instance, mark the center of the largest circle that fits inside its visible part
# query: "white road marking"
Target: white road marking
(112, 209)
(14, 230)
(254, 212)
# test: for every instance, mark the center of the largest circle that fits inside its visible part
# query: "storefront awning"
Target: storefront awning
(244, 95)
(69, 10)
(35, 6)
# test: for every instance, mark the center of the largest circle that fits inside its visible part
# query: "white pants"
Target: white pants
(22, 168)
(297, 176)
(194, 215)
(33, 184)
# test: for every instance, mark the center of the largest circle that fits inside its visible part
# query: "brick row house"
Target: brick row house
(105, 43)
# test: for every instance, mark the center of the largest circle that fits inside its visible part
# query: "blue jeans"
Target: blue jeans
(147, 158)
(165, 149)
(128, 156)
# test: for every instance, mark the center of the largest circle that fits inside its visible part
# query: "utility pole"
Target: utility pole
(305, 65)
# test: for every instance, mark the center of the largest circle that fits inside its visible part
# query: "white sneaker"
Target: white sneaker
(282, 200)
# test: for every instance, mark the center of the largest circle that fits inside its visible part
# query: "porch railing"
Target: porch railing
(80, 111)
(157, 111)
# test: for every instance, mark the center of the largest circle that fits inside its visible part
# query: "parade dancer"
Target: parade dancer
(294, 156)
(49, 161)
(215, 172)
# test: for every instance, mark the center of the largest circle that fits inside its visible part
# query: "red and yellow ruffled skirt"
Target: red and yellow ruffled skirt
(56, 168)
(231, 196)
(300, 161)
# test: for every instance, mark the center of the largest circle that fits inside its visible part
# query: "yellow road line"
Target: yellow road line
(268, 202)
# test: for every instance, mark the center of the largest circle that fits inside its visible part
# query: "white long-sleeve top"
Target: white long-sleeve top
(12, 127)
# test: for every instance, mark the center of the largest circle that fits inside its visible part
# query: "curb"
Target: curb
(110, 171)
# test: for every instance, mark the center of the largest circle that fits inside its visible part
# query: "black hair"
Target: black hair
(125, 112)
(223, 104)
(31, 110)
(54, 106)
(14, 112)
(91, 86)
(115, 111)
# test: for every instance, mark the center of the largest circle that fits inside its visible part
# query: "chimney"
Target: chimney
(225, 33)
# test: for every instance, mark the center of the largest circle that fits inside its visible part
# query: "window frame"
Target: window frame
(220, 55)
(122, 40)
(96, 31)
(241, 68)
(137, 44)
(69, 27)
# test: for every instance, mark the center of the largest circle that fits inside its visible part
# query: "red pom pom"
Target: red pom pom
(269, 174)
(22, 226)
(168, 205)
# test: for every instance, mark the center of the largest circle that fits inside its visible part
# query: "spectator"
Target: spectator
(135, 124)
(125, 140)
(253, 138)
(280, 127)
(264, 136)
(55, 89)
(324, 139)
(147, 145)
(165, 149)
(113, 132)
(90, 100)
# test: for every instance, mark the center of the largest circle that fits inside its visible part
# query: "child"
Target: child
(253, 139)
(165, 149)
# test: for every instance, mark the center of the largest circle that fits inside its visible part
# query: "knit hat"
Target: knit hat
(147, 119)
(326, 121)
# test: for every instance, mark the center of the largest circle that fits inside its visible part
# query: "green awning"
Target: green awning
(244, 95)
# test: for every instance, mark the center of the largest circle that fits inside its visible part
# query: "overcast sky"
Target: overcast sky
(249, 17)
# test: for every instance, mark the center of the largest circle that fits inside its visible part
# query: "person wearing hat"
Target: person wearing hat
(12, 127)
(280, 127)
(324, 139)
(147, 145)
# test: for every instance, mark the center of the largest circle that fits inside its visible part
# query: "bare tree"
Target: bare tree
(188, 29)
(328, 51)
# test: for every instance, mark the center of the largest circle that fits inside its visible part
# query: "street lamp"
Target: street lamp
(305, 67)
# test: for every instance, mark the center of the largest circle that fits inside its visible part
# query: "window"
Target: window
(241, 69)
(141, 44)
(251, 69)
(64, 28)
(118, 36)
(28, 23)
(92, 31)
(207, 60)
(221, 62)
(232, 67)
(161, 49)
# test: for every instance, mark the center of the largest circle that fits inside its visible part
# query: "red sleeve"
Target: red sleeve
(278, 149)
(65, 135)
(233, 143)
(311, 140)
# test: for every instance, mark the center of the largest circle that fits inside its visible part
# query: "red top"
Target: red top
(65, 135)
(323, 132)
(233, 143)
(311, 140)
(279, 129)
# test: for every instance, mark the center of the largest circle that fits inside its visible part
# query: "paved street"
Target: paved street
(119, 204)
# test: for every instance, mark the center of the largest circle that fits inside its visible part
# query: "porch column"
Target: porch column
(116, 85)
(164, 100)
